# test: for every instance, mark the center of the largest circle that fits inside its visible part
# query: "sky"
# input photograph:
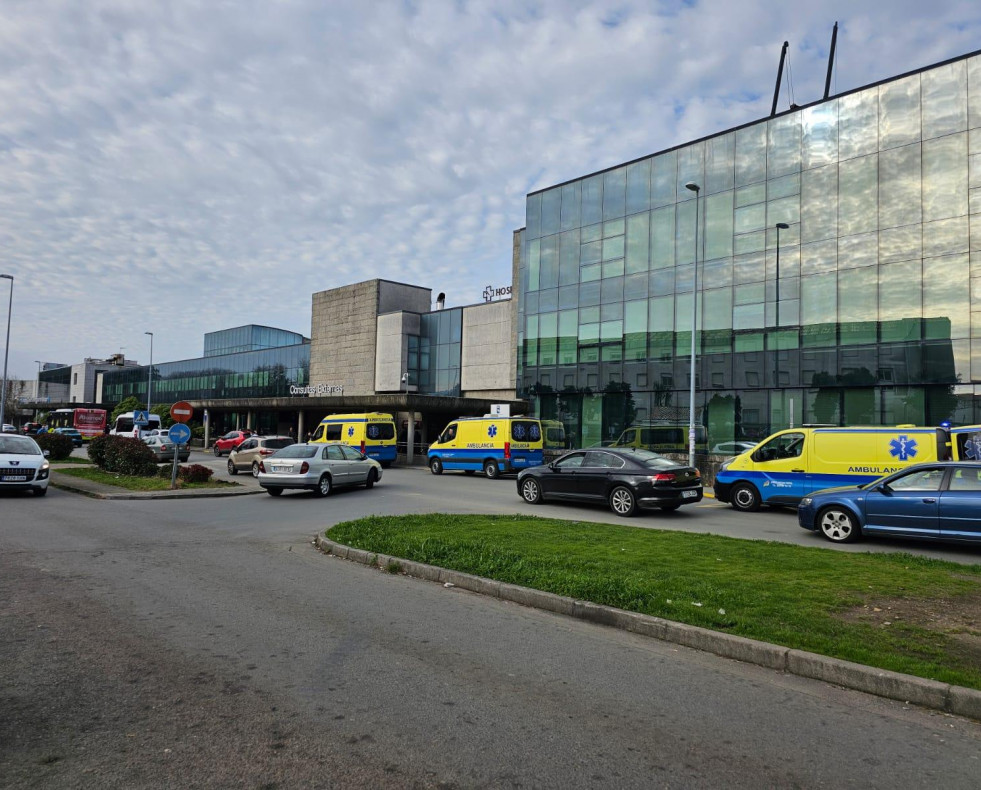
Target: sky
(183, 167)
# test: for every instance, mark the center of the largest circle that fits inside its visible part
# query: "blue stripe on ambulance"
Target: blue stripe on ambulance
(465, 458)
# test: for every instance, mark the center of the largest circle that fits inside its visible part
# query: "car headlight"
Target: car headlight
(806, 501)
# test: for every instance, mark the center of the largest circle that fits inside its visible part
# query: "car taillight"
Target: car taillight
(262, 467)
(662, 477)
(304, 468)
(507, 450)
(266, 451)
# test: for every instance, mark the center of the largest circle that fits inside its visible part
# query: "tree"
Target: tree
(126, 404)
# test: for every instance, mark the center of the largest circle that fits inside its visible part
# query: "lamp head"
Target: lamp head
(693, 187)
(783, 226)
(7, 277)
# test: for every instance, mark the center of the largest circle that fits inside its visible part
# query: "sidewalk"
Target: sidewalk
(79, 485)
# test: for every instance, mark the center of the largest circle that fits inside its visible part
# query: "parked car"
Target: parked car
(163, 449)
(732, 448)
(625, 478)
(317, 467)
(248, 454)
(23, 466)
(164, 432)
(71, 433)
(8, 428)
(31, 428)
(938, 501)
(225, 444)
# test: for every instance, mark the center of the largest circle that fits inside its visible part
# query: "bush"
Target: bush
(123, 455)
(97, 450)
(59, 447)
(194, 473)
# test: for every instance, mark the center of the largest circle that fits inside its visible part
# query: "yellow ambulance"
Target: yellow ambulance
(791, 464)
(492, 444)
(373, 433)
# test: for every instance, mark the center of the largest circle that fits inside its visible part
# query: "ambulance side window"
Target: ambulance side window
(318, 434)
(788, 445)
(332, 433)
(449, 434)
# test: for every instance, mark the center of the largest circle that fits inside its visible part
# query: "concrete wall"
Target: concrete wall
(391, 357)
(393, 297)
(487, 356)
(343, 329)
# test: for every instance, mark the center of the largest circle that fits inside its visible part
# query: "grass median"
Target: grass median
(894, 611)
(137, 483)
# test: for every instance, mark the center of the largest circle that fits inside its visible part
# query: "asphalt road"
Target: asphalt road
(205, 643)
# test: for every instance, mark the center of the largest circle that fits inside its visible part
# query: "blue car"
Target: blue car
(935, 501)
(71, 433)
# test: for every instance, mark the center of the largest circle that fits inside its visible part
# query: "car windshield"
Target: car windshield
(18, 445)
(296, 451)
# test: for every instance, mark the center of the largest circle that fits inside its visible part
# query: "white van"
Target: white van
(124, 426)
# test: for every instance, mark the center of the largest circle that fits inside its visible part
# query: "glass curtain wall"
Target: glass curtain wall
(868, 319)
(252, 374)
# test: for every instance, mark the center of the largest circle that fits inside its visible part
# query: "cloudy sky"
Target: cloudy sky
(181, 167)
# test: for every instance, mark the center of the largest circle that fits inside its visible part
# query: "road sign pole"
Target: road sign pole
(173, 474)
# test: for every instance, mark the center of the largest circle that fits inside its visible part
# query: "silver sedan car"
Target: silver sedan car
(317, 467)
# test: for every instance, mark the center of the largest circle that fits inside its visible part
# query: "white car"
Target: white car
(8, 428)
(732, 448)
(23, 467)
(317, 467)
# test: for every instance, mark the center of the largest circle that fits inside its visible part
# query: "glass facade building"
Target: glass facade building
(250, 374)
(872, 317)
(248, 338)
(434, 355)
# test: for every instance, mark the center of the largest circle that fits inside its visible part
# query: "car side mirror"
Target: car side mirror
(47, 453)
(883, 488)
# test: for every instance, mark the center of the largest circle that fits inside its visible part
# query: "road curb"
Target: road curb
(178, 494)
(957, 700)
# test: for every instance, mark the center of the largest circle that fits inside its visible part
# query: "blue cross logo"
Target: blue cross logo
(972, 448)
(350, 431)
(492, 431)
(519, 431)
(902, 448)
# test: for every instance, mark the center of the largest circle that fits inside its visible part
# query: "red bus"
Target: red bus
(88, 422)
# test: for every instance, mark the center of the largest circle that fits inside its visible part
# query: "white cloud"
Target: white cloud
(190, 166)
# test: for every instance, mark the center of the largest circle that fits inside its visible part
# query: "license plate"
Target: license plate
(14, 478)
(281, 468)
(689, 494)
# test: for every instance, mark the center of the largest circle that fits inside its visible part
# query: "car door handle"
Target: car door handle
(796, 470)
(929, 500)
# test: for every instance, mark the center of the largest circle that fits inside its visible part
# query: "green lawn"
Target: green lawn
(875, 609)
(70, 460)
(138, 483)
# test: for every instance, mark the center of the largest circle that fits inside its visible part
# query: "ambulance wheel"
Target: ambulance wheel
(435, 466)
(622, 501)
(531, 492)
(491, 469)
(838, 525)
(232, 469)
(745, 497)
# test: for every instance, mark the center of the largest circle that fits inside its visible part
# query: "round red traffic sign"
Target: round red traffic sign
(182, 411)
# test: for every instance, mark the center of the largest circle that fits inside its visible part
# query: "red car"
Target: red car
(230, 441)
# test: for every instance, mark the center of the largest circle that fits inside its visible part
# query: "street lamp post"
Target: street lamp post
(6, 351)
(694, 323)
(780, 226)
(776, 360)
(149, 376)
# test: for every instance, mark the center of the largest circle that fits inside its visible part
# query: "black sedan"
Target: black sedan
(626, 478)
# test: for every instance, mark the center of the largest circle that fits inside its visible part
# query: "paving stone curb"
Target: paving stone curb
(932, 694)
(99, 491)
